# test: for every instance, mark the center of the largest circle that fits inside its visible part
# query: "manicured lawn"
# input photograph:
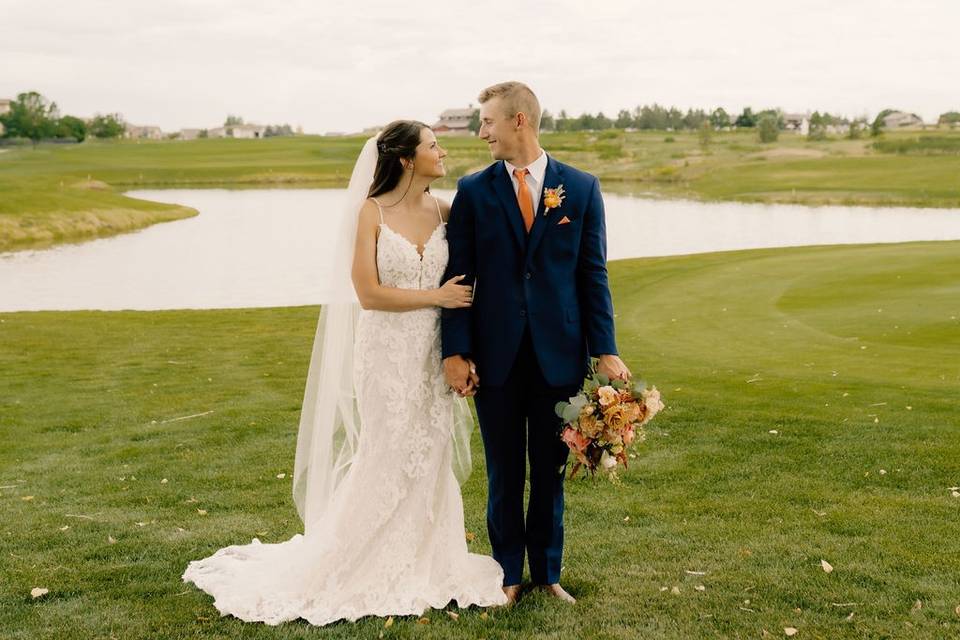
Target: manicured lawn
(812, 415)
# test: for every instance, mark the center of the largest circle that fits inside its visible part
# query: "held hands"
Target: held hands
(612, 367)
(454, 296)
(461, 375)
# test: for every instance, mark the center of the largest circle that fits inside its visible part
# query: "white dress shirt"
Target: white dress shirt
(534, 179)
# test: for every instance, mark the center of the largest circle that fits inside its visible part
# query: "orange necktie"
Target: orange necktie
(523, 198)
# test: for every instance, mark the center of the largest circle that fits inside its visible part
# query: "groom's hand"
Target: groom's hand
(612, 367)
(461, 375)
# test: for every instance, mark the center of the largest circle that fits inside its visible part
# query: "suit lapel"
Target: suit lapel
(551, 179)
(503, 185)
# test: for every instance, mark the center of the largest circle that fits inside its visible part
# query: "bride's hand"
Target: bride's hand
(454, 296)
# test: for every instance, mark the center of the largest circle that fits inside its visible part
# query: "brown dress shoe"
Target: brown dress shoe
(557, 591)
(513, 594)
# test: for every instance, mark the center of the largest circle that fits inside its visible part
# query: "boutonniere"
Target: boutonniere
(552, 198)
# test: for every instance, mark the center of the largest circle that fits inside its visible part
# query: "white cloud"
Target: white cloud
(347, 65)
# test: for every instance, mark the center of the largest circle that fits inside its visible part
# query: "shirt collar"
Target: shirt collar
(537, 168)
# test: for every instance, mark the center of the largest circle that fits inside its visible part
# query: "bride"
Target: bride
(382, 439)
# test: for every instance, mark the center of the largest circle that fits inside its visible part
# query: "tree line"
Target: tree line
(35, 118)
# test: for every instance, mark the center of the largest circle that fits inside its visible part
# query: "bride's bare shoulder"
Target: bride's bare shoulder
(369, 211)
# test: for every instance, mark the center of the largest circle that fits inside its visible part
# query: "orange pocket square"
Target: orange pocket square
(564, 220)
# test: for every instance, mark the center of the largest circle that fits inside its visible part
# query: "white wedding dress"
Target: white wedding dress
(393, 542)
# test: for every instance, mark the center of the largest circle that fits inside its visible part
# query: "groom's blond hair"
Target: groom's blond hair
(517, 98)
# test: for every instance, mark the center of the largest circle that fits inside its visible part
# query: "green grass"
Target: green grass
(70, 192)
(849, 353)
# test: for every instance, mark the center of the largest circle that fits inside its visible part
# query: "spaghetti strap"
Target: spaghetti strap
(379, 208)
(440, 215)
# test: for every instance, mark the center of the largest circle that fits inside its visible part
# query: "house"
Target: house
(455, 122)
(189, 134)
(238, 131)
(901, 119)
(143, 133)
(248, 131)
(797, 122)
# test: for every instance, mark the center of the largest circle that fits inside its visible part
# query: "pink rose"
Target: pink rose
(575, 440)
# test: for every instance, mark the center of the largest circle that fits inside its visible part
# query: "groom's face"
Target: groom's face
(499, 129)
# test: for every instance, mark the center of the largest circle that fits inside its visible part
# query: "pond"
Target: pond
(267, 247)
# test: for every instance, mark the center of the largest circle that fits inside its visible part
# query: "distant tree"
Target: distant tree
(693, 119)
(546, 121)
(204, 133)
(602, 122)
(950, 118)
(624, 120)
(107, 126)
(72, 127)
(563, 121)
(31, 116)
(818, 127)
(474, 124)
(719, 119)
(878, 124)
(705, 134)
(767, 128)
(233, 121)
(855, 132)
(746, 119)
(776, 114)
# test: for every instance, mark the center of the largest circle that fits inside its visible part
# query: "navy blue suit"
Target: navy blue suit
(541, 308)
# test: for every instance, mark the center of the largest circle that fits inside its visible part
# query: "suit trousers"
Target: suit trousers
(518, 422)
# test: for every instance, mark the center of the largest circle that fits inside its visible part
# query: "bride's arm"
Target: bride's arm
(372, 295)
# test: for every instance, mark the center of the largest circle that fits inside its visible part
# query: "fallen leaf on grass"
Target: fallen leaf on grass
(695, 573)
(202, 512)
(700, 587)
(675, 591)
(471, 536)
(916, 606)
(64, 527)
(827, 567)
(388, 623)
(453, 615)
(111, 540)
(164, 481)
(423, 621)
(849, 617)
(773, 432)
(26, 498)
(36, 592)
(281, 475)
(955, 494)
(819, 513)
(484, 616)
(790, 631)
(957, 610)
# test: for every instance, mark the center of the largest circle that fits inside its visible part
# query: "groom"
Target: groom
(541, 308)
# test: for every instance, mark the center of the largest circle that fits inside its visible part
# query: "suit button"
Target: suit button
(523, 313)
(527, 275)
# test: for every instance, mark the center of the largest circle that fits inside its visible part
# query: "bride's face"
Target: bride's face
(428, 160)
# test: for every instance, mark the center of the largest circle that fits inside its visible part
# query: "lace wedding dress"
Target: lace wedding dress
(394, 541)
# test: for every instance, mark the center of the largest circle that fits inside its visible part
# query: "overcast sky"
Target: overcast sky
(346, 65)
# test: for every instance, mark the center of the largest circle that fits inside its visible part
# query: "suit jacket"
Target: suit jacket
(553, 279)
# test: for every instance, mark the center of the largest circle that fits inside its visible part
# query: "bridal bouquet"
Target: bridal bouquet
(604, 419)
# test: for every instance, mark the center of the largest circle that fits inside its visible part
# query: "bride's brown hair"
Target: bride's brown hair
(398, 140)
